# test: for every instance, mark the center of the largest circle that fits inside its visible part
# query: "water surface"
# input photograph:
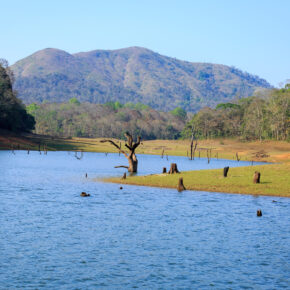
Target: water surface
(138, 237)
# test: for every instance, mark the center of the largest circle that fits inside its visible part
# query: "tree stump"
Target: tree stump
(124, 176)
(226, 170)
(164, 170)
(173, 168)
(257, 176)
(259, 212)
(180, 186)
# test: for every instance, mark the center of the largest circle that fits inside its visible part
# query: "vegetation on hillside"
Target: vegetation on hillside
(133, 74)
(250, 118)
(75, 119)
(13, 115)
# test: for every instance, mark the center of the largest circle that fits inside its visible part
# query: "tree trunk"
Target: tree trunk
(133, 165)
(257, 176)
(180, 186)
(173, 168)
(226, 170)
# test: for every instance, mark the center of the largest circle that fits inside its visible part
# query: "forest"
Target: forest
(75, 119)
(252, 118)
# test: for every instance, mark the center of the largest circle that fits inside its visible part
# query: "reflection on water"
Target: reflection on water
(143, 237)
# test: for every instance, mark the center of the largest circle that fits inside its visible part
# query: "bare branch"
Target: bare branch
(117, 146)
(129, 139)
(135, 146)
(121, 166)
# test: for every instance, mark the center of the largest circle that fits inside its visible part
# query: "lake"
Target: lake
(138, 237)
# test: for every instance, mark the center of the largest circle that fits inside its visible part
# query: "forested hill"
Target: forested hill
(131, 74)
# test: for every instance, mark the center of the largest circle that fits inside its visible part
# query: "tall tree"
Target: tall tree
(13, 115)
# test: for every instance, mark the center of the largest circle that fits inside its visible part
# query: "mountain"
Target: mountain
(131, 74)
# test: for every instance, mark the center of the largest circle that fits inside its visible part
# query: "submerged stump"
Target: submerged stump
(257, 177)
(259, 212)
(173, 168)
(84, 194)
(180, 186)
(164, 170)
(226, 170)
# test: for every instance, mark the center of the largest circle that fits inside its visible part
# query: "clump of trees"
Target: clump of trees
(250, 118)
(110, 120)
(13, 115)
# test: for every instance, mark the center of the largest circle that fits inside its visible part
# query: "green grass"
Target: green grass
(274, 180)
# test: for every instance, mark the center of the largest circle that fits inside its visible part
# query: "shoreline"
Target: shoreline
(274, 177)
(192, 189)
(274, 180)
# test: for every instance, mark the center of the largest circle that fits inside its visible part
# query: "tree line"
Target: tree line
(258, 117)
(13, 115)
(112, 119)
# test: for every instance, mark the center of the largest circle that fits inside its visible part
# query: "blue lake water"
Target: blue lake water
(138, 237)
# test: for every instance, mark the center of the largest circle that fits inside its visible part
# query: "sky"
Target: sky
(252, 35)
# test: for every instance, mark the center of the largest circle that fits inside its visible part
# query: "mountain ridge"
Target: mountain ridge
(133, 74)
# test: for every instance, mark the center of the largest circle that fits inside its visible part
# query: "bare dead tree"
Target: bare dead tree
(162, 154)
(208, 154)
(131, 156)
(44, 149)
(79, 157)
(192, 149)
(237, 156)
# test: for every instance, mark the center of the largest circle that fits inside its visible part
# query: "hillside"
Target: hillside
(131, 74)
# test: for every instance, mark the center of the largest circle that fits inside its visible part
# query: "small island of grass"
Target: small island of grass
(274, 180)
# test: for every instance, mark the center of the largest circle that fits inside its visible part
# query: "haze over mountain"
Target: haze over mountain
(131, 74)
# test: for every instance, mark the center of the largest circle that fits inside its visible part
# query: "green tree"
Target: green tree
(179, 112)
(13, 115)
(74, 101)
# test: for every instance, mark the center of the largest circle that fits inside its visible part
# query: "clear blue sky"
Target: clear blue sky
(253, 35)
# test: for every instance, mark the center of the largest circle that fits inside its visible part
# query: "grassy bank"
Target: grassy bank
(275, 180)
